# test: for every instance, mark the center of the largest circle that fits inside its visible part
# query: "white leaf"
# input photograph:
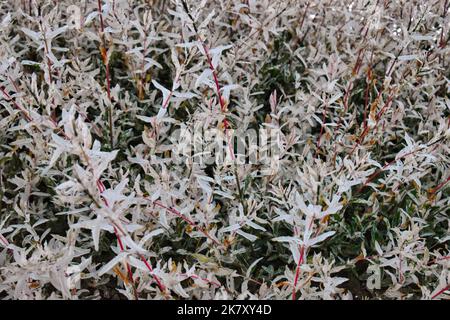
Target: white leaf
(226, 90)
(176, 63)
(338, 280)
(421, 37)
(163, 90)
(184, 95)
(300, 203)
(255, 226)
(145, 119)
(204, 185)
(207, 20)
(216, 53)
(30, 63)
(163, 219)
(179, 290)
(295, 251)
(132, 245)
(150, 63)
(152, 234)
(188, 45)
(91, 16)
(53, 34)
(288, 239)
(6, 20)
(378, 248)
(161, 113)
(139, 264)
(249, 270)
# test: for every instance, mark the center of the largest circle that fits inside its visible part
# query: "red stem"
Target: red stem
(216, 80)
(189, 221)
(441, 291)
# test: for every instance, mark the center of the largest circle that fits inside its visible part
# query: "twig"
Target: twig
(189, 221)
